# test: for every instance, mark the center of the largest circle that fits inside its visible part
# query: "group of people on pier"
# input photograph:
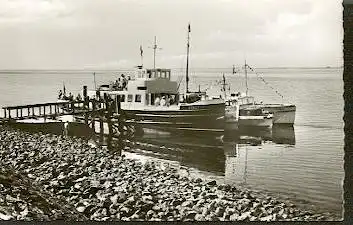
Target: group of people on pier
(70, 97)
(121, 82)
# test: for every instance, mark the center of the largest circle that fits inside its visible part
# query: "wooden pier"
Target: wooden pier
(89, 110)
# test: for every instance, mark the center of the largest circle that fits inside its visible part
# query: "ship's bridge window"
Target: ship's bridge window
(122, 98)
(137, 98)
(141, 88)
(129, 98)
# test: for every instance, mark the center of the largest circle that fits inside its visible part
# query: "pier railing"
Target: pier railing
(104, 109)
(52, 109)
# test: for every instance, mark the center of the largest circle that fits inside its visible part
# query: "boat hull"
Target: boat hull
(282, 114)
(255, 121)
(204, 118)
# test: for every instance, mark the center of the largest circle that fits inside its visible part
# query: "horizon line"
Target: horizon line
(195, 68)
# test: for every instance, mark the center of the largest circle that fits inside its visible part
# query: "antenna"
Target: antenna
(246, 78)
(94, 78)
(154, 47)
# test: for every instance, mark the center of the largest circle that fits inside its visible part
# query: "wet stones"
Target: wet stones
(93, 184)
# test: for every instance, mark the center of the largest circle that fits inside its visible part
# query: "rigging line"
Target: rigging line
(262, 79)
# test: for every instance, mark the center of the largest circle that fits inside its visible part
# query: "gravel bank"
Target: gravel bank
(76, 181)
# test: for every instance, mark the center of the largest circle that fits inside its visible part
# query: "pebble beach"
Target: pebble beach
(54, 177)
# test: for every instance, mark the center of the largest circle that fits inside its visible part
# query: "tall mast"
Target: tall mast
(187, 61)
(94, 79)
(246, 78)
(224, 87)
(154, 52)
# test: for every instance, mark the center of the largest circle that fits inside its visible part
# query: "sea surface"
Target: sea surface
(303, 163)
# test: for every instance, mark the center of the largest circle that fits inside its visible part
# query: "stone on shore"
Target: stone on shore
(48, 177)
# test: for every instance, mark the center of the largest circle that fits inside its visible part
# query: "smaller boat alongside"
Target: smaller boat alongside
(255, 117)
(282, 114)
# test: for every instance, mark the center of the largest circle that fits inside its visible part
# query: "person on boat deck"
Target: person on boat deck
(124, 83)
(163, 101)
(157, 101)
(71, 97)
(172, 100)
(167, 101)
(79, 98)
(120, 84)
(60, 94)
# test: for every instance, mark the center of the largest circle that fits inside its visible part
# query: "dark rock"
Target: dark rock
(212, 183)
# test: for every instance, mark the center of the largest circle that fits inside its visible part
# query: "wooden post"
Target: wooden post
(17, 113)
(40, 110)
(93, 115)
(120, 124)
(101, 128)
(9, 113)
(28, 112)
(109, 121)
(5, 113)
(21, 113)
(51, 111)
(32, 111)
(86, 106)
(44, 112)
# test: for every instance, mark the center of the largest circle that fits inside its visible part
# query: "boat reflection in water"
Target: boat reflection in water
(208, 152)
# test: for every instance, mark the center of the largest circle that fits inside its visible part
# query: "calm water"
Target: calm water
(304, 163)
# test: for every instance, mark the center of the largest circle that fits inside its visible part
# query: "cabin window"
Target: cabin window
(122, 98)
(152, 98)
(168, 74)
(147, 99)
(137, 98)
(141, 88)
(129, 98)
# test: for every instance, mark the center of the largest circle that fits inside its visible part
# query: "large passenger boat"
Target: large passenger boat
(152, 100)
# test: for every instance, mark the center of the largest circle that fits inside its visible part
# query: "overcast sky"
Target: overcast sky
(107, 34)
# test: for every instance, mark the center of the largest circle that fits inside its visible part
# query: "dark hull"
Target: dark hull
(208, 117)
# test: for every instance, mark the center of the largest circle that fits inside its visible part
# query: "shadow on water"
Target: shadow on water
(204, 151)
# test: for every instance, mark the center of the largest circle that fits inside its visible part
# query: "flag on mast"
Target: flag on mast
(64, 88)
(141, 50)
(189, 28)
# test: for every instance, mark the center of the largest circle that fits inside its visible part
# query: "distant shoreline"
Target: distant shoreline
(129, 69)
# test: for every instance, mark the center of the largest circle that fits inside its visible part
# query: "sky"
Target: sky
(107, 34)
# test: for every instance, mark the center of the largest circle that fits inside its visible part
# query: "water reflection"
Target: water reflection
(218, 153)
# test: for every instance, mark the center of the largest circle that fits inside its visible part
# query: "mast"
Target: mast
(224, 86)
(154, 52)
(187, 61)
(94, 78)
(141, 54)
(246, 78)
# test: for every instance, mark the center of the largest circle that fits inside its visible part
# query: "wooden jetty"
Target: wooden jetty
(90, 110)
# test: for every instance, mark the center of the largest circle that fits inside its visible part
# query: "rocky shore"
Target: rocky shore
(49, 177)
